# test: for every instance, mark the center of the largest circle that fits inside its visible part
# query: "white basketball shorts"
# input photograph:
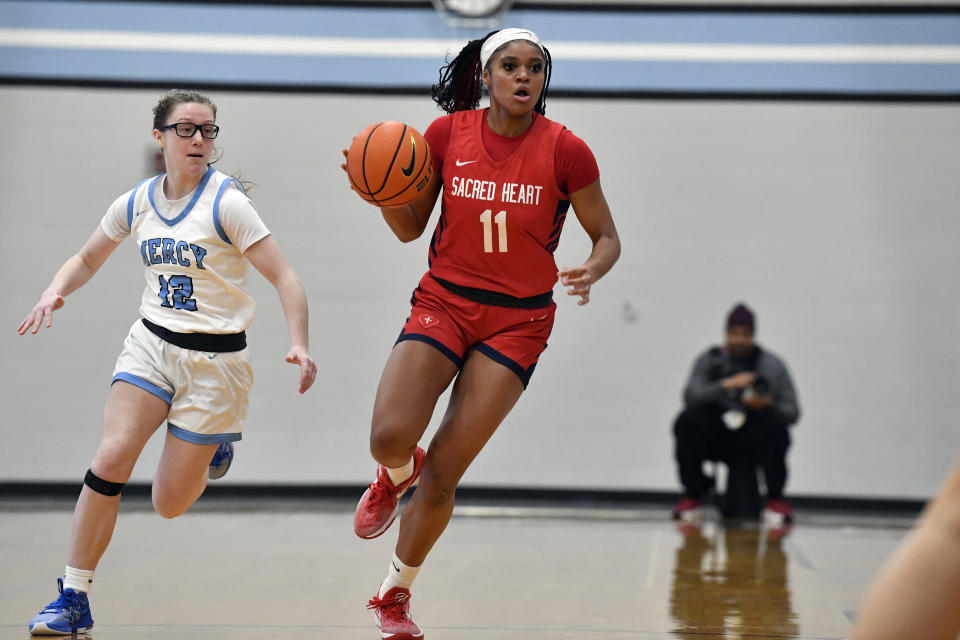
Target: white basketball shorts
(207, 392)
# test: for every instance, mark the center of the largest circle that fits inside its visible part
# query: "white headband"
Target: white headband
(504, 36)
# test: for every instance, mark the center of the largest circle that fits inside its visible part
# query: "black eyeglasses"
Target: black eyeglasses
(188, 129)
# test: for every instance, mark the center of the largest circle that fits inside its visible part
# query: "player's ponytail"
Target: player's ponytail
(460, 84)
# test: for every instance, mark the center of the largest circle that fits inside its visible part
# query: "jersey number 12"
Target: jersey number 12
(182, 288)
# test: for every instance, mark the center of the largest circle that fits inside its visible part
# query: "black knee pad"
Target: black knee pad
(101, 486)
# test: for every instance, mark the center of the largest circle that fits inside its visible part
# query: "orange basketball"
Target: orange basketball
(389, 164)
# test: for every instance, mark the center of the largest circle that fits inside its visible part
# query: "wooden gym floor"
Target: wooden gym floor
(297, 571)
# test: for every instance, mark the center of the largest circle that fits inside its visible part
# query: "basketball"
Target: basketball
(389, 164)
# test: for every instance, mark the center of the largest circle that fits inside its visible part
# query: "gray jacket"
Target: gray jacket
(705, 386)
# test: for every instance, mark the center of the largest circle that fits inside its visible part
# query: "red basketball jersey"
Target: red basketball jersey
(500, 222)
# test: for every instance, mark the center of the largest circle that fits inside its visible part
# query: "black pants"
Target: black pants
(700, 434)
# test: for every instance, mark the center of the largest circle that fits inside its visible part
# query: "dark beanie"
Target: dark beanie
(741, 316)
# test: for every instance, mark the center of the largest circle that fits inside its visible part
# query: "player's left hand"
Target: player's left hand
(308, 368)
(579, 280)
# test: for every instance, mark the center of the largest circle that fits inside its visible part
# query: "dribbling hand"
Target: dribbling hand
(308, 368)
(343, 165)
(42, 313)
(579, 280)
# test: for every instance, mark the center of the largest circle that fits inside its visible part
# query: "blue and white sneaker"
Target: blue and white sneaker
(69, 613)
(221, 461)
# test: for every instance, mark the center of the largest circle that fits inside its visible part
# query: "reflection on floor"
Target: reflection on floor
(731, 579)
(299, 572)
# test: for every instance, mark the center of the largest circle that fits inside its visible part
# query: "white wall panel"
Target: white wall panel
(836, 222)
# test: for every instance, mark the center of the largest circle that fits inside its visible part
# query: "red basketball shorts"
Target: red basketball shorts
(454, 324)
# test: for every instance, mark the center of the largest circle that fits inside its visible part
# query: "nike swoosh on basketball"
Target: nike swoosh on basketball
(413, 157)
(461, 163)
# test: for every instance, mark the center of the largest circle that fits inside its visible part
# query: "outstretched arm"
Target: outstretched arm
(265, 255)
(74, 273)
(592, 211)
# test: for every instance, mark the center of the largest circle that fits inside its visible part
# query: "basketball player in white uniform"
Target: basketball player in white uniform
(185, 361)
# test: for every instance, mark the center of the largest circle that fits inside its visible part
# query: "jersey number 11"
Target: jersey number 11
(487, 218)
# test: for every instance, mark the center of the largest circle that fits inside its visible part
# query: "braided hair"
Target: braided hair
(460, 83)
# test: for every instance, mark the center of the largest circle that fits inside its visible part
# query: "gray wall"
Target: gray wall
(836, 222)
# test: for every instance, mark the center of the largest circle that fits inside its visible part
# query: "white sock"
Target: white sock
(77, 579)
(400, 474)
(398, 575)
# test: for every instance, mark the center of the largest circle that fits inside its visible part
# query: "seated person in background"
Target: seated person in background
(739, 401)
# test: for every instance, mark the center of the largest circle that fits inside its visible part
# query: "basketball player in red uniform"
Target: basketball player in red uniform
(483, 312)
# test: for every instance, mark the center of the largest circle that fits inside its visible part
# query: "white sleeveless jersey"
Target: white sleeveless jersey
(192, 249)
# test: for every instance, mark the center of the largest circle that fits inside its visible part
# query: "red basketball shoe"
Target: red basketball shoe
(687, 509)
(392, 613)
(777, 513)
(380, 503)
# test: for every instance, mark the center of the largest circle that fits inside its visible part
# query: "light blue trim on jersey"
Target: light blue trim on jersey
(137, 381)
(216, 209)
(133, 195)
(202, 438)
(193, 200)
